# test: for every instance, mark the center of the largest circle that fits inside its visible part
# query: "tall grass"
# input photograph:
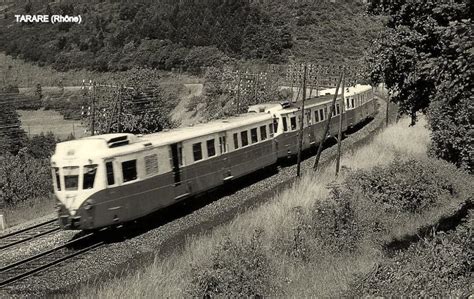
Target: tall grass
(28, 210)
(297, 265)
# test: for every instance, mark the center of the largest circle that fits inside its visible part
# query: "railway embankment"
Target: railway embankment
(329, 236)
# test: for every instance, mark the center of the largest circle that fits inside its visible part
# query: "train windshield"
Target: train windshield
(71, 178)
(89, 176)
(56, 178)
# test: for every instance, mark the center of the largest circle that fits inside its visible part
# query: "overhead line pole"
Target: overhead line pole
(339, 133)
(300, 136)
(328, 122)
(93, 110)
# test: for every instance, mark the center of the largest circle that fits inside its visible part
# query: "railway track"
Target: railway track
(34, 264)
(28, 233)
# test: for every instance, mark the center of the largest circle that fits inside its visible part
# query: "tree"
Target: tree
(424, 58)
(12, 136)
(134, 103)
(41, 146)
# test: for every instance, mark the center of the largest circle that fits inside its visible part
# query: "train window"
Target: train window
(309, 121)
(222, 144)
(338, 109)
(263, 132)
(316, 116)
(236, 141)
(89, 176)
(293, 123)
(285, 125)
(71, 178)
(275, 126)
(110, 173)
(270, 128)
(151, 164)
(211, 148)
(129, 170)
(253, 135)
(245, 138)
(56, 177)
(326, 114)
(197, 151)
(321, 114)
(352, 102)
(348, 103)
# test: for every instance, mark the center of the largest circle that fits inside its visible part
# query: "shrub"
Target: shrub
(335, 225)
(41, 146)
(437, 267)
(331, 227)
(405, 186)
(237, 269)
(23, 178)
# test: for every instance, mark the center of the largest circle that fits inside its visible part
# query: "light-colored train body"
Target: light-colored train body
(114, 178)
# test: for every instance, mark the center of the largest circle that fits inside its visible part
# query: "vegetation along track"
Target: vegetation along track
(29, 233)
(43, 260)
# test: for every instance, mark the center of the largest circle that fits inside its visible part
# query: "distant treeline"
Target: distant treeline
(118, 34)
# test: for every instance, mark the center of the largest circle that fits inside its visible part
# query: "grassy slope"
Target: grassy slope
(326, 275)
(27, 211)
(37, 121)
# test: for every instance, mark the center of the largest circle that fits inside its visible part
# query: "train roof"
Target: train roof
(212, 127)
(350, 91)
(107, 145)
(326, 97)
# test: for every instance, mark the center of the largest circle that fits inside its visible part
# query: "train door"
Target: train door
(177, 161)
(226, 163)
(180, 190)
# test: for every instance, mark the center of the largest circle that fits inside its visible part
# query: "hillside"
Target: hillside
(164, 34)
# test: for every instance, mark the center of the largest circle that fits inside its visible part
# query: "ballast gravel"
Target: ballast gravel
(124, 257)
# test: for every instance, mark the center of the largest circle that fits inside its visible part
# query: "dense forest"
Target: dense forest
(118, 34)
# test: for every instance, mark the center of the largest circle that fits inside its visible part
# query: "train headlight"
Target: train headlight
(89, 204)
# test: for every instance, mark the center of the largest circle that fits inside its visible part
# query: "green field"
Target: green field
(34, 122)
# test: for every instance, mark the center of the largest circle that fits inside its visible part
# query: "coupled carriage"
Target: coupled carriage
(110, 179)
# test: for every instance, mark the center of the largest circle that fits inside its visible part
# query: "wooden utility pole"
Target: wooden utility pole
(386, 110)
(328, 122)
(300, 136)
(93, 110)
(339, 132)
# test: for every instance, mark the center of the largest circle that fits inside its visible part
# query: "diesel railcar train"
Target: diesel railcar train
(110, 179)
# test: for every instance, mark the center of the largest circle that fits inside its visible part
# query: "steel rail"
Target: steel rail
(28, 238)
(27, 229)
(37, 268)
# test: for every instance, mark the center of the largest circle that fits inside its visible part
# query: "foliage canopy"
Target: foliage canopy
(424, 57)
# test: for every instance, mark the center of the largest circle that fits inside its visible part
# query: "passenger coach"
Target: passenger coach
(114, 178)
(359, 105)
(109, 179)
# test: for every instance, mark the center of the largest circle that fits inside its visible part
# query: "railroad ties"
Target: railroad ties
(34, 264)
(28, 233)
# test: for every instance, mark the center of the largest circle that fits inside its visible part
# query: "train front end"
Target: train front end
(77, 174)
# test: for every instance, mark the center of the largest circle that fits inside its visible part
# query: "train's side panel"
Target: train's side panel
(139, 198)
(287, 142)
(127, 202)
(351, 117)
(251, 158)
